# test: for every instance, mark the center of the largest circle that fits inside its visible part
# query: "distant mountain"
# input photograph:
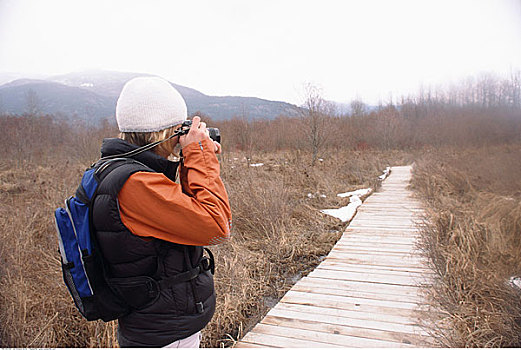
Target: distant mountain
(7, 77)
(92, 95)
(46, 97)
(105, 83)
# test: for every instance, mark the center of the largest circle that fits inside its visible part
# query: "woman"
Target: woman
(151, 228)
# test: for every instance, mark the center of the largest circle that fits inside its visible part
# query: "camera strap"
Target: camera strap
(141, 149)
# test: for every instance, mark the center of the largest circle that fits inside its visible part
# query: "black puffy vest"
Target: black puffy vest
(177, 311)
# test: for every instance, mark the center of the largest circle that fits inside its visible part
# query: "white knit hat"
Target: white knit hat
(149, 104)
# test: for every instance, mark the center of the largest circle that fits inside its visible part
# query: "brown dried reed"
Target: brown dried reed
(473, 239)
(278, 233)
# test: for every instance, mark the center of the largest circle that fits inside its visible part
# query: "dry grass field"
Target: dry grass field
(473, 239)
(278, 233)
(467, 172)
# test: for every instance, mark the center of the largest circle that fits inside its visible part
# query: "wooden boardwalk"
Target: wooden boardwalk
(367, 292)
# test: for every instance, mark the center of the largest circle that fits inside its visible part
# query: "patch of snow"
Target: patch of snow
(345, 213)
(235, 158)
(86, 85)
(385, 174)
(317, 194)
(320, 159)
(360, 193)
(515, 281)
(257, 164)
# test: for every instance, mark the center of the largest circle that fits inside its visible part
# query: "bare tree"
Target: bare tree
(358, 108)
(32, 103)
(315, 114)
(2, 112)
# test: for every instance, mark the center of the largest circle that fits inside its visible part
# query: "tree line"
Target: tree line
(477, 111)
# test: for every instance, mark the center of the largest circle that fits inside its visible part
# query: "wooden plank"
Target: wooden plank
(267, 340)
(243, 344)
(368, 277)
(368, 240)
(394, 209)
(373, 260)
(347, 265)
(404, 257)
(391, 211)
(375, 235)
(382, 227)
(378, 294)
(386, 198)
(385, 216)
(386, 239)
(394, 195)
(386, 222)
(364, 286)
(391, 199)
(395, 337)
(407, 207)
(360, 310)
(323, 337)
(397, 193)
(383, 230)
(383, 245)
(377, 238)
(370, 217)
(353, 303)
(366, 233)
(391, 256)
(339, 266)
(369, 248)
(392, 217)
(416, 256)
(385, 206)
(351, 314)
(360, 240)
(378, 208)
(376, 251)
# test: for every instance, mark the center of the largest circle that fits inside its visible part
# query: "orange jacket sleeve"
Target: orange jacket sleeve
(151, 205)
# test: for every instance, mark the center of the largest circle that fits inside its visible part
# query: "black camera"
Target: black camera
(215, 134)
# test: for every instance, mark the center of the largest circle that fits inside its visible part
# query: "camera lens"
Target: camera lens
(215, 134)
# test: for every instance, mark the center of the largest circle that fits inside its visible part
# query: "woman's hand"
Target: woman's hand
(217, 147)
(197, 133)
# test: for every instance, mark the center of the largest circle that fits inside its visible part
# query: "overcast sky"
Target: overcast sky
(365, 48)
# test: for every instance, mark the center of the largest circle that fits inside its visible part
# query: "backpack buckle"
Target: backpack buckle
(200, 307)
(208, 262)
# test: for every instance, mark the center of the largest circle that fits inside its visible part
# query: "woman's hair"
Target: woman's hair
(144, 138)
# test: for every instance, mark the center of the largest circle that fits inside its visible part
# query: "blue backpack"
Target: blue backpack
(83, 265)
(96, 295)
